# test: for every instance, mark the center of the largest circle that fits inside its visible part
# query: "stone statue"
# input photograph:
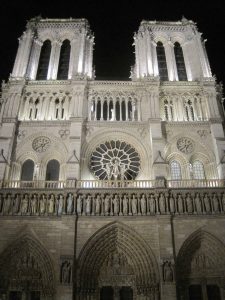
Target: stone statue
(223, 202)
(152, 204)
(108, 171)
(42, 204)
(97, 205)
(116, 205)
(122, 171)
(79, 205)
(60, 205)
(106, 205)
(33, 205)
(7, 205)
(125, 205)
(24, 205)
(167, 271)
(198, 203)
(206, 201)
(162, 208)
(16, 204)
(180, 204)
(69, 204)
(134, 205)
(189, 204)
(215, 203)
(172, 204)
(1, 202)
(51, 204)
(66, 272)
(143, 205)
(115, 169)
(88, 205)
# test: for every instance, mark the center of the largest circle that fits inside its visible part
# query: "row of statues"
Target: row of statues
(112, 204)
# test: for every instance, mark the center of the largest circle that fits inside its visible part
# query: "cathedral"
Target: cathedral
(111, 190)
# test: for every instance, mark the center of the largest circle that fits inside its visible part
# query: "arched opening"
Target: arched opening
(175, 170)
(198, 171)
(52, 171)
(162, 65)
(117, 111)
(44, 59)
(105, 110)
(179, 57)
(129, 110)
(106, 293)
(111, 114)
(98, 114)
(123, 111)
(64, 60)
(27, 171)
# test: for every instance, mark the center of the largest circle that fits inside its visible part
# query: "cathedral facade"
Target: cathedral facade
(111, 189)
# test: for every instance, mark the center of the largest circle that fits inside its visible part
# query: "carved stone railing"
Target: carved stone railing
(112, 184)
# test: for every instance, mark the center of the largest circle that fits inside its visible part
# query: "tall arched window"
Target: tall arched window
(175, 170)
(44, 59)
(189, 110)
(105, 110)
(161, 57)
(27, 171)
(198, 170)
(64, 60)
(52, 171)
(179, 57)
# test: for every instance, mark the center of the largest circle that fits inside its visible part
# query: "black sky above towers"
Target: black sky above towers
(114, 24)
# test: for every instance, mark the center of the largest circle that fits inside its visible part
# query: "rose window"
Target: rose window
(115, 160)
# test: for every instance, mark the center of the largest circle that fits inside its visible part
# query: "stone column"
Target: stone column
(34, 59)
(170, 60)
(186, 61)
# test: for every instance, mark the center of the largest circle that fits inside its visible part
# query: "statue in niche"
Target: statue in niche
(15, 205)
(79, 205)
(108, 171)
(162, 208)
(33, 204)
(116, 204)
(206, 201)
(125, 205)
(198, 203)
(7, 205)
(66, 272)
(180, 204)
(172, 204)
(106, 205)
(51, 204)
(115, 172)
(167, 271)
(122, 171)
(134, 204)
(88, 205)
(215, 203)
(223, 202)
(69, 204)
(60, 205)
(1, 202)
(143, 204)
(42, 204)
(189, 204)
(152, 204)
(24, 205)
(97, 205)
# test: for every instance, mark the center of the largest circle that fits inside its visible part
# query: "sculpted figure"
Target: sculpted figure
(152, 204)
(88, 205)
(7, 205)
(16, 204)
(180, 204)
(24, 205)
(172, 204)
(60, 205)
(69, 204)
(207, 203)
(167, 272)
(42, 204)
(143, 204)
(162, 208)
(198, 203)
(134, 205)
(66, 272)
(223, 202)
(1, 202)
(189, 204)
(107, 205)
(116, 204)
(33, 204)
(97, 205)
(51, 204)
(215, 203)
(125, 205)
(79, 205)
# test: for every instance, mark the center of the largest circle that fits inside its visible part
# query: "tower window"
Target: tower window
(27, 171)
(161, 57)
(44, 59)
(64, 60)
(52, 171)
(179, 57)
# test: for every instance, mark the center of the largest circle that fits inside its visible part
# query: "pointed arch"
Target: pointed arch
(117, 238)
(26, 261)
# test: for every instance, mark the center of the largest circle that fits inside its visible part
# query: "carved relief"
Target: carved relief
(41, 144)
(66, 267)
(185, 145)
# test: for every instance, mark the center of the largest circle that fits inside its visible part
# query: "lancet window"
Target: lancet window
(179, 57)
(175, 170)
(64, 60)
(162, 65)
(27, 170)
(44, 59)
(52, 171)
(189, 110)
(34, 107)
(197, 170)
(168, 110)
(59, 109)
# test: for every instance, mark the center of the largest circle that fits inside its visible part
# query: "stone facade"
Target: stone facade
(111, 189)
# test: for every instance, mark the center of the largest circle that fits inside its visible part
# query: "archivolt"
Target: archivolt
(111, 238)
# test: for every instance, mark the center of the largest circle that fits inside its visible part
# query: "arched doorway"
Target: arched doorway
(116, 263)
(26, 271)
(200, 268)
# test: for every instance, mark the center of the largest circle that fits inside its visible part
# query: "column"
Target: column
(120, 104)
(54, 60)
(149, 55)
(154, 59)
(186, 61)
(137, 56)
(81, 54)
(34, 59)
(126, 104)
(73, 64)
(206, 72)
(102, 102)
(170, 60)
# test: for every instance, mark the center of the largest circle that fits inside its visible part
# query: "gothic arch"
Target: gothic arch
(117, 238)
(26, 261)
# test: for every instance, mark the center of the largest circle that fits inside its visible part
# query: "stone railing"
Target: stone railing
(112, 184)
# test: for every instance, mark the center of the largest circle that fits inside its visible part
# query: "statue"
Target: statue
(1, 202)
(223, 202)
(60, 205)
(167, 272)
(215, 203)
(88, 205)
(143, 204)
(33, 204)
(15, 205)
(152, 204)
(172, 204)
(116, 205)
(207, 203)
(198, 203)
(51, 204)
(108, 171)
(122, 171)
(107, 205)
(69, 204)
(66, 272)
(97, 205)
(7, 205)
(180, 204)
(115, 169)
(189, 204)
(79, 205)
(125, 205)
(24, 205)
(134, 205)
(42, 204)
(162, 208)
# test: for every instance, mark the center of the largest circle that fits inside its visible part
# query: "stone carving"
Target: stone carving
(202, 133)
(198, 204)
(189, 204)
(66, 272)
(223, 201)
(69, 204)
(79, 205)
(168, 271)
(216, 206)
(107, 205)
(125, 205)
(88, 205)
(116, 205)
(134, 204)
(42, 204)
(60, 205)
(171, 204)
(24, 205)
(41, 143)
(33, 204)
(7, 205)
(143, 204)
(207, 205)
(51, 204)
(162, 207)
(185, 145)
(15, 204)
(180, 207)
(98, 205)
(64, 133)
(152, 204)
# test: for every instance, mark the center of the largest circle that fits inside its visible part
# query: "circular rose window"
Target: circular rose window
(115, 160)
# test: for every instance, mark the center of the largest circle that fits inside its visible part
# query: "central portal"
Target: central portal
(116, 293)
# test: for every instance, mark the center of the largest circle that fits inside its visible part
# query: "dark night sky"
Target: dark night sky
(114, 24)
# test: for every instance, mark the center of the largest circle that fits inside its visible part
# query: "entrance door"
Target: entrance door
(126, 293)
(15, 295)
(213, 292)
(106, 293)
